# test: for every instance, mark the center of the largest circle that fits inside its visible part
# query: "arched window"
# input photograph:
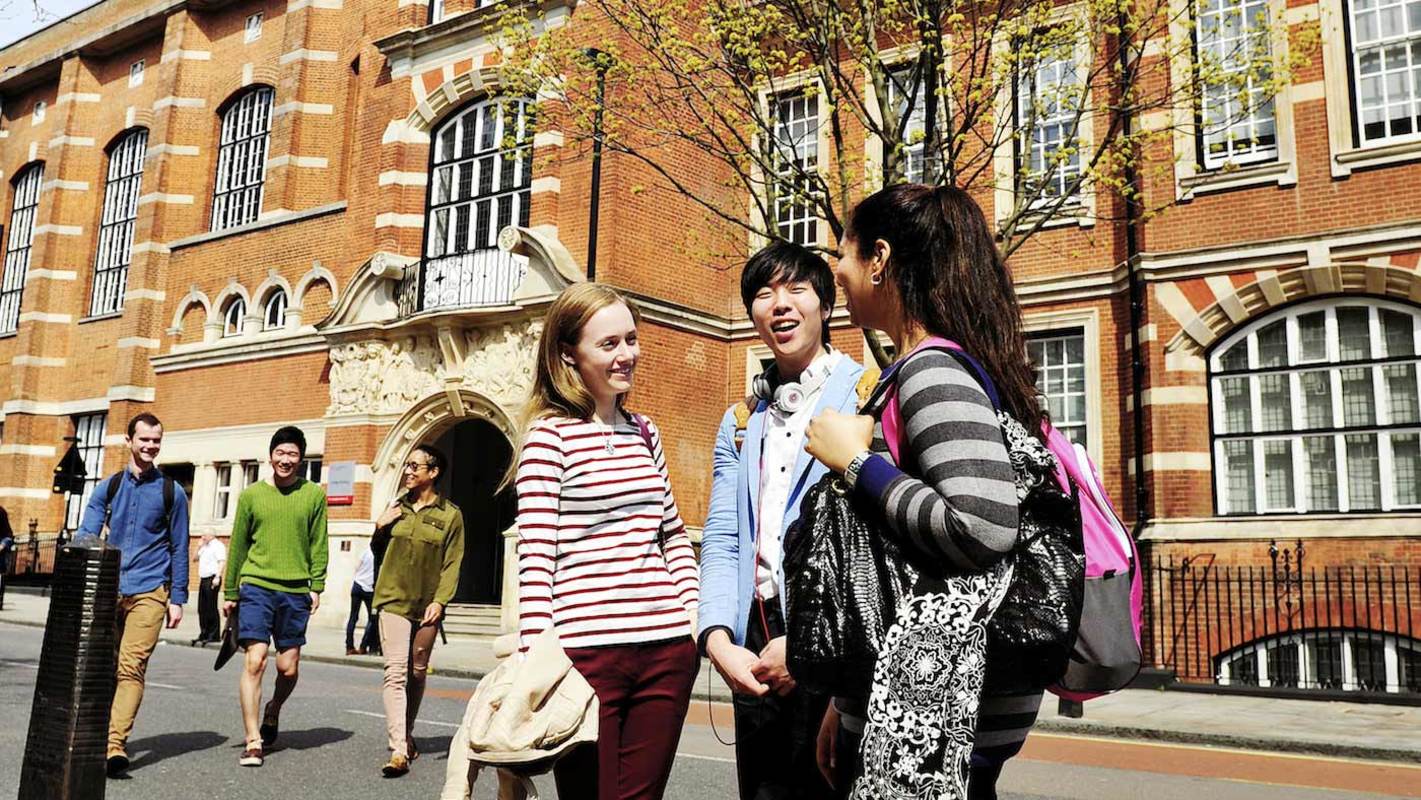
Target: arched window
(125, 178)
(275, 316)
(1315, 409)
(17, 248)
(241, 159)
(234, 319)
(1347, 659)
(482, 174)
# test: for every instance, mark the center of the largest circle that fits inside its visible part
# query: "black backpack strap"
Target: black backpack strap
(169, 499)
(110, 492)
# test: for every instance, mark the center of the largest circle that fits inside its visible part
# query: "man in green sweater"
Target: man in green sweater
(277, 570)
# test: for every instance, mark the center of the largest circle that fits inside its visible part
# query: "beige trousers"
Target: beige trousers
(407, 650)
(140, 620)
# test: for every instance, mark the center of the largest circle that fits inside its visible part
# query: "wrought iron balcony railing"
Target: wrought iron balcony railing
(477, 279)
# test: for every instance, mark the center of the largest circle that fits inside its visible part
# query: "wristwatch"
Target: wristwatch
(851, 472)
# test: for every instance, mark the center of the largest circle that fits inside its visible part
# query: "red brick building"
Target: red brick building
(245, 214)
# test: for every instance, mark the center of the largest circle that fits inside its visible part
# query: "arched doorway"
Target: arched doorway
(478, 456)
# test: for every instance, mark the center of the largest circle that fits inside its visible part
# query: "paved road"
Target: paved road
(332, 745)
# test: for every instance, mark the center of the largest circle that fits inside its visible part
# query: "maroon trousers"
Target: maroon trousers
(643, 691)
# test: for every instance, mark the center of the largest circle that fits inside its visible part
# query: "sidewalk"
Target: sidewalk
(1349, 730)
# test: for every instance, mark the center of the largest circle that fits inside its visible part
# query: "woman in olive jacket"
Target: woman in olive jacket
(419, 545)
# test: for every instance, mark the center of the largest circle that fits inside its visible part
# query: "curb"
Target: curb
(1260, 744)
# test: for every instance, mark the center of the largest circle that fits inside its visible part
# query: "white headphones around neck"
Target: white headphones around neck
(787, 397)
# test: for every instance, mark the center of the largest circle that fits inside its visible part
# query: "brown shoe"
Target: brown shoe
(251, 757)
(397, 766)
(351, 651)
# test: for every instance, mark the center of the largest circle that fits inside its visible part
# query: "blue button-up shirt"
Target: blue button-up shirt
(154, 551)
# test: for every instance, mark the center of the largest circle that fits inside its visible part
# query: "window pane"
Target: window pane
(1327, 663)
(1283, 664)
(1369, 662)
(1312, 336)
(1358, 399)
(1273, 345)
(1238, 459)
(1277, 406)
(1363, 478)
(1401, 392)
(1243, 668)
(1235, 357)
(1237, 408)
(1410, 663)
(1278, 474)
(1321, 454)
(1317, 398)
(1406, 468)
(1397, 329)
(1354, 333)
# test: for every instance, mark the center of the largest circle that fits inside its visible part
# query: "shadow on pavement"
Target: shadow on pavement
(433, 747)
(310, 739)
(149, 751)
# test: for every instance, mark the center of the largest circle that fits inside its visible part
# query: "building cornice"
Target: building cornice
(261, 224)
(1283, 526)
(237, 352)
(406, 48)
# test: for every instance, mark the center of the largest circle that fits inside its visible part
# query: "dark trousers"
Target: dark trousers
(209, 621)
(774, 735)
(370, 640)
(643, 691)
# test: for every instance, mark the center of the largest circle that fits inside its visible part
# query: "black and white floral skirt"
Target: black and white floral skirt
(922, 709)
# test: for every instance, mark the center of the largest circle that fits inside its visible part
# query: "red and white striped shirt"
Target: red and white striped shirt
(603, 556)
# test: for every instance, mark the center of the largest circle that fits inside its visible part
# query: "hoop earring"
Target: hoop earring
(876, 279)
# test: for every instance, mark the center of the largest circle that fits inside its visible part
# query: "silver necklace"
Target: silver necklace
(607, 434)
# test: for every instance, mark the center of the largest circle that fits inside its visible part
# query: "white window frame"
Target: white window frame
(241, 159)
(917, 124)
(1306, 642)
(91, 430)
(276, 305)
(507, 198)
(1361, 44)
(120, 211)
(1230, 55)
(1064, 93)
(135, 73)
(253, 29)
(222, 496)
(791, 216)
(756, 355)
(1045, 372)
(234, 318)
(24, 207)
(1383, 427)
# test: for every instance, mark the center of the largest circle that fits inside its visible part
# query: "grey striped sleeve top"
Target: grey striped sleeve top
(954, 499)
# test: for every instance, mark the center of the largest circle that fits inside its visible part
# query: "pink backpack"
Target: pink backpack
(1107, 654)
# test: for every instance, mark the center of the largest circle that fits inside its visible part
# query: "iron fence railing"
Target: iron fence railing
(477, 279)
(1285, 626)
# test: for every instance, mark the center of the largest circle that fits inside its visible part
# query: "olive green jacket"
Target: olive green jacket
(419, 556)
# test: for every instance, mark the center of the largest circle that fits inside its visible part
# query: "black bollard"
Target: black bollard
(69, 722)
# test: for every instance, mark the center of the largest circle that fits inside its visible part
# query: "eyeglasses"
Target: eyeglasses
(414, 466)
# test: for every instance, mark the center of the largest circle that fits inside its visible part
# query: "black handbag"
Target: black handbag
(844, 580)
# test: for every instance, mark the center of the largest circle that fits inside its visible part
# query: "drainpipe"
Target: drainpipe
(601, 61)
(1138, 360)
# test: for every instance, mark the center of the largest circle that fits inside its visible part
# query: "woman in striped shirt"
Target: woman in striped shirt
(919, 262)
(603, 557)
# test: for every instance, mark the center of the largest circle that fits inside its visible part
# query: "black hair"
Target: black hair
(787, 262)
(436, 458)
(288, 434)
(953, 281)
(147, 419)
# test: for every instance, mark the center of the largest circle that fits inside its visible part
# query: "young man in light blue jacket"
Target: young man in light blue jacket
(761, 473)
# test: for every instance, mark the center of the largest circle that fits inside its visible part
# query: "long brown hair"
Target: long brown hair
(558, 390)
(945, 263)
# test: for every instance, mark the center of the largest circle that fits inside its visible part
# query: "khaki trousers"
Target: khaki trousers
(407, 650)
(140, 620)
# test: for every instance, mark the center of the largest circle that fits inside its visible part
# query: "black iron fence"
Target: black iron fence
(31, 560)
(478, 279)
(1285, 626)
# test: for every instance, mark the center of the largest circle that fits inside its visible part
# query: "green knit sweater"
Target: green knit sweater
(279, 539)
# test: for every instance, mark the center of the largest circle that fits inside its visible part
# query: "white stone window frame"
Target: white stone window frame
(1085, 322)
(1347, 152)
(234, 318)
(798, 82)
(274, 310)
(1061, 372)
(1192, 177)
(240, 184)
(24, 206)
(894, 60)
(1227, 63)
(252, 31)
(114, 253)
(1305, 644)
(223, 497)
(91, 430)
(1005, 162)
(135, 73)
(1382, 428)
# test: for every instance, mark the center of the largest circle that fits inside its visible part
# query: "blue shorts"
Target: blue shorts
(266, 615)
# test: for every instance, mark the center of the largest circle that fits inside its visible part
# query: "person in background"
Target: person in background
(603, 557)
(420, 543)
(147, 517)
(789, 293)
(211, 555)
(362, 592)
(277, 570)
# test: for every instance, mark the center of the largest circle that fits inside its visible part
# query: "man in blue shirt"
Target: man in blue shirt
(153, 570)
